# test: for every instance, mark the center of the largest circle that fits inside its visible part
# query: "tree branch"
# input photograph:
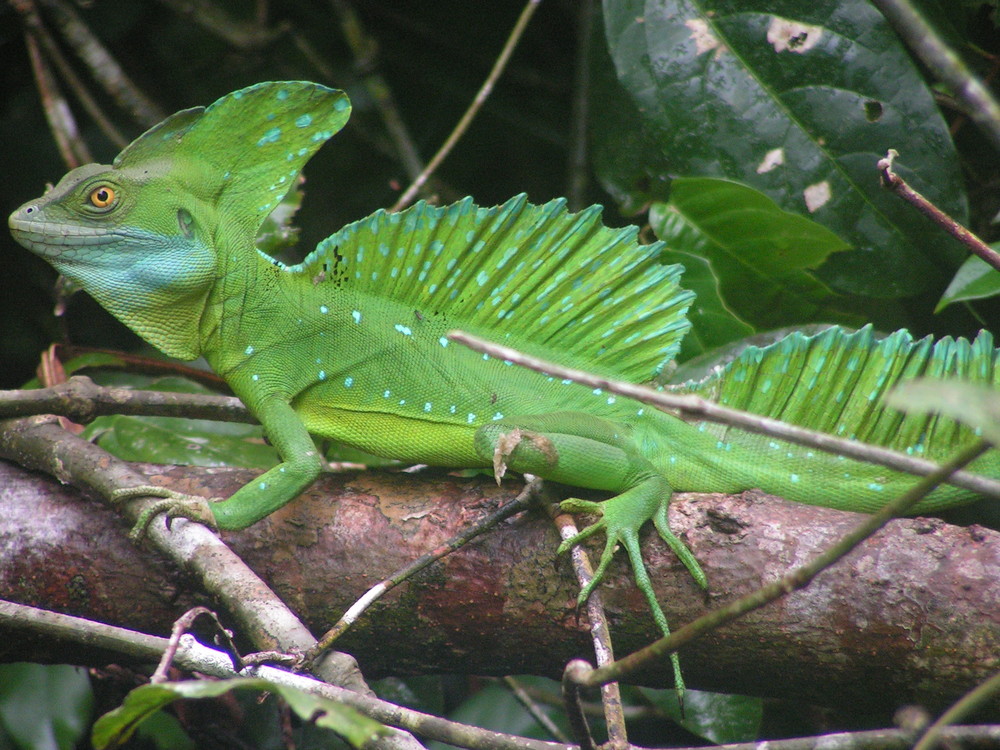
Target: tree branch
(909, 611)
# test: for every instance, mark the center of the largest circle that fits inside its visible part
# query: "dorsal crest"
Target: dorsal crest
(536, 277)
(836, 381)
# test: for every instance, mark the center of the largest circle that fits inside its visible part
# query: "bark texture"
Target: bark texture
(911, 616)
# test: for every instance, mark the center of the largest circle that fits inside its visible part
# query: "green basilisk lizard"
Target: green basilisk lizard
(351, 343)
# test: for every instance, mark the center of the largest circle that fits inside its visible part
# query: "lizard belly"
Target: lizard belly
(394, 436)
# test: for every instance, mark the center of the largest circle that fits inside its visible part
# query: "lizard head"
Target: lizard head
(149, 235)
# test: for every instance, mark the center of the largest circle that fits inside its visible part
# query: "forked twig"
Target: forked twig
(895, 183)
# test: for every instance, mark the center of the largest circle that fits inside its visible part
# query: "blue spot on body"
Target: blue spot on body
(255, 377)
(877, 487)
(271, 136)
(403, 329)
(248, 351)
(348, 381)
(427, 406)
(324, 309)
(282, 94)
(303, 121)
(470, 418)
(341, 104)
(443, 341)
(794, 477)
(497, 416)
(321, 374)
(356, 314)
(386, 394)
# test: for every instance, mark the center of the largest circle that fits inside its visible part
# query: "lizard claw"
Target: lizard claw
(506, 442)
(174, 505)
(505, 445)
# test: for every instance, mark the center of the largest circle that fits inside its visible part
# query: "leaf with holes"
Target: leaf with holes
(798, 100)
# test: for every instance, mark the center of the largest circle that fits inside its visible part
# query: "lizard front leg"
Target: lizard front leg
(300, 465)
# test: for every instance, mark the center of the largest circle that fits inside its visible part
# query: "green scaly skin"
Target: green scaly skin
(350, 344)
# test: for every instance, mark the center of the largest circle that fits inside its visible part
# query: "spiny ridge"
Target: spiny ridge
(835, 381)
(536, 277)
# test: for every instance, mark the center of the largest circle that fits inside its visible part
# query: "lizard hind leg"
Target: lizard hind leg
(588, 452)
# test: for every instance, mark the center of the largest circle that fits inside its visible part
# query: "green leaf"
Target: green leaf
(277, 233)
(799, 101)
(175, 440)
(760, 257)
(717, 717)
(713, 322)
(44, 707)
(192, 442)
(976, 279)
(977, 406)
(115, 727)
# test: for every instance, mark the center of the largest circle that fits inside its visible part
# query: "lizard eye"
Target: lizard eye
(102, 196)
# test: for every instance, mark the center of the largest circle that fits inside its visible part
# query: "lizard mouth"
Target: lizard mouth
(52, 239)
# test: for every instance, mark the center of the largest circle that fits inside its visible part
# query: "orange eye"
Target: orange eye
(102, 196)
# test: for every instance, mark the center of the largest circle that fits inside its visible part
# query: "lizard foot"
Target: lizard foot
(621, 518)
(174, 505)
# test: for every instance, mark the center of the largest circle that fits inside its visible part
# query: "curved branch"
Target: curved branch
(909, 611)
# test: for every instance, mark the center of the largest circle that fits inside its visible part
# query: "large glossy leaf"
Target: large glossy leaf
(717, 717)
(761, 258)
(798, 100)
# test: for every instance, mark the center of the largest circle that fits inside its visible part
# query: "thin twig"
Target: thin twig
(102, 65)
(600, 634)
(34, 23)
(572, 686)
(895, 183)
(181, 626)
(243, 35)
(60, 117)
(82, 401)
(944, 63)
(576, 163)
(797, 579)
(481, 96)
(522, 502)
(968, 703)
(365, 51)
(532, 707)
(699, 409)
